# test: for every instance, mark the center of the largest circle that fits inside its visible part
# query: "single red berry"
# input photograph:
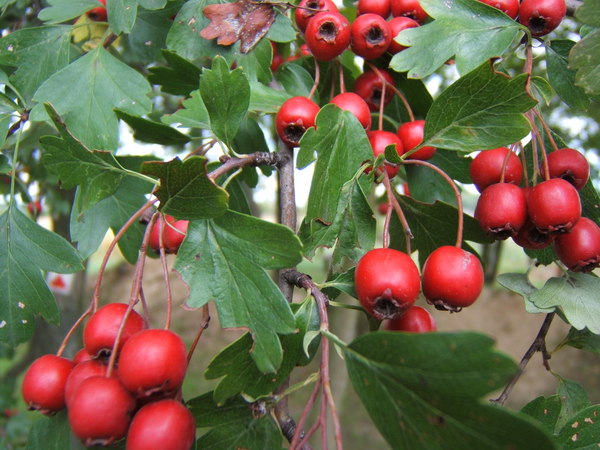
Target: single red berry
(411, 134)
(43, 387)
(303, 15)
(579, 249)
(369, 86)
(162, 425)
(571, 165)
(501, 210)
(153, 362)
(554, 206)
(530, 237)
(295, 116)
(379, 7)
(398, 24)
(34, 208)
(98, 14)
(383, 207)
(408, 8)
(80, 373)
(508, 7)
(81, 356)
(370, 36)
(349, 101)
(101, 330)
(542, 16)
(452, 278)
(173, 233)
(327, 35)
(486, 168)
(100, 411)
(387, 282)
(379, 140)
(414, 320)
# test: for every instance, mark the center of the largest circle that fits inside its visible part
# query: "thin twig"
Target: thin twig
(252, 159)
(205, 321)
(394, 202)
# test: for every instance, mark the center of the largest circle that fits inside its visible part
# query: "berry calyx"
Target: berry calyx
(327, 35)
(579, 249)
(379, 140)
(173, 233)
(370, 87)
(43, 387)
(542, 16)
(411, 134)
(303, 15)
(414, 320)
(295, 116)
(349, 101)
(387, 282)
(370, 36)
(570, 165)
(452, 278)
(501, 210)
(486, 168)
(554, 206)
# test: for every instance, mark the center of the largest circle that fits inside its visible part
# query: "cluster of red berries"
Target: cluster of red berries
(535, 217)
(138, 399)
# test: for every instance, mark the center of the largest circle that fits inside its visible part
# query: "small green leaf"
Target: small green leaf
(561, 77)
(282, 29)
(585, 55)
(545, 410)
(573, 397)
(53, 433)
(145, 130)
(185, 190)
(295, 79)
(193, 114)
(63, 10)
(180, 77)
(122, 15)
(266, 99)
(471, 32)
(582, 431)
(543, 88)
(519, 283)
(583, 340)
(342, 283)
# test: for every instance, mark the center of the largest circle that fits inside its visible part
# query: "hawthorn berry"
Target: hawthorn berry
(387, 282)
(369, 86)
(327, 35)
(542, 16)
(554, 206)
(379, 140)
(303, 15)
(98, 14)
(34, 208)
(398, 24)
(43, 387)
(173, 233)
(379, 7)
(414, 320)
(486, 168)
(408, 8)
(294, 117)
(579, 249)
(81, 356)
(570, 165)
(452, 278)
(508, 7)
(81, 372)
(501, 210)
(349, 101)
(411, 134)
(370, 36)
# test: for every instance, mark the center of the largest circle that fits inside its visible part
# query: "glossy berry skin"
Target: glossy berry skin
(571, 165)
(162, 425)
(370, 87)
(295, 116)
(100, 411)
(387, 282)
(81, 356)
(349, 101)
(302, 16)
(398, 24)
(452, 278)
(508, 7)
(327, 35)
(408, 8)
(501, 210)
(411, 134)
(414, 320)
(101, 330)
(80, 373)
(579, 249)
(486, 168)
(173, 233)
(379, 140)
(98, 14)
(379, 7)
(554, 206)
(370, 36)
(542, 16)
(43, 387)
(153, 361)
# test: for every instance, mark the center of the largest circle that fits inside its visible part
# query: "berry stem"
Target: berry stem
(204, 322)
(342, 80)
(394, 201)
(165, 270)
(67, 338)
(317, 80)
(546, 129)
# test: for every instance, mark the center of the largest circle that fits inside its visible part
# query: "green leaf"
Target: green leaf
(256, 64)
(122, 15)
(98, 172)
(342, 283)
(226, 96)
(27, 249)
(63, 10)
(266, 99)
(585, 55)
(423, 390)
(471, 32)
(582, 431)
(561, 77)
(543, 88)
(149, 131)
(295, 79)
(282, 29)
(180, 77)
(519, 283)
(427, 185)
(37, 53)
(86, 92)
(583, 340)
(224, 259)
(53, 433)
(573, 397)
(185, 190)
(147, 39)
(342, 146)
(193, 114)
(545, 410)
(481, 110)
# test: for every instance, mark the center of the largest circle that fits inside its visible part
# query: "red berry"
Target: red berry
(370, 87)
(100, 411)
(554, 206)
(98, 14)
(295, 116)
(398, 24)
(327, 35)
(173, 233)
(411, 134)
(43, 387)
(303, 15)
(379, 140)
(579, 249)
(81, 356)
(486, 168)
(501, 210)
(370, 36)
(569, 164)
(530, 237)
(162, 425)
(80, 373)
(542, 16)
(383, 207)
(408, 8)
(379, 7)
(508, 7)
(101, 330)
(387, 282)
(349, 101)
(452, 278)
(414, 320)
(34, 208)
(153, 361)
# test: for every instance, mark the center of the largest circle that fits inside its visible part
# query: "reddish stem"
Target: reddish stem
(67, 338)
(165, 270)
(317, 80)
(394, 201)
(342, 80)
(203, 326)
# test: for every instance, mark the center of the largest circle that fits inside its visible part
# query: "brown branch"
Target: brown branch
(252, 159)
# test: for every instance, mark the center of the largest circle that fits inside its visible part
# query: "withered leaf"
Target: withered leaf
(245, 20)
